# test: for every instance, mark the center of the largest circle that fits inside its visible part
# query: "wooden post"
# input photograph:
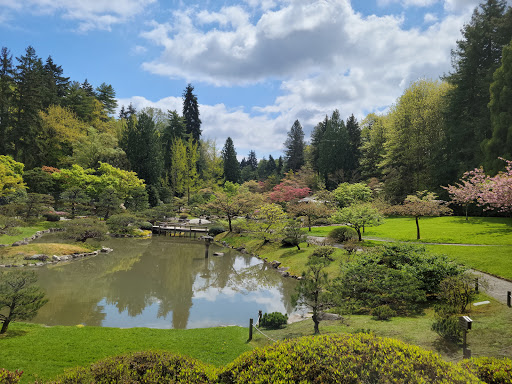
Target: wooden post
(476, 285)
(250, 330)
(259, 317)
(509, 299)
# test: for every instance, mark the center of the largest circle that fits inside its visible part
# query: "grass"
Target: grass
(45, 352)
(16, 255)
(490, 336)
(27, 232)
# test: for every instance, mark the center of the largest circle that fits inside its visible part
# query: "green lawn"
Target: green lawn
(45, 352)
(26, 232)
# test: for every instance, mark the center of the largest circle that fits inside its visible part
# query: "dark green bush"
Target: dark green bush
(146, 226)
(215, 229)
(321, 221)
(51, 217)
(383, 312)
(324, 252)
(447, 326)
(83, 229)
(343, 359)
(142, 367)
(123, 224)
(7, 377)
(490, 369)
(342, 234)
(273, 320)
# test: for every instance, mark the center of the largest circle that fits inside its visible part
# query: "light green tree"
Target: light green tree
(358, 216)
(11, 176)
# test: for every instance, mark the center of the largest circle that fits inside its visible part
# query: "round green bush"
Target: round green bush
(324, 252)
(342, 234)
(150, 367)
(490, 369)
(344, 359)
(383, 312)
(146, 226)
(273, 320)
(215, 229)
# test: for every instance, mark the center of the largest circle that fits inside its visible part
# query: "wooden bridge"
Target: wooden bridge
(179, 229)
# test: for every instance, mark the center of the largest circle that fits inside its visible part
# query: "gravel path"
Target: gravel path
(495, 287)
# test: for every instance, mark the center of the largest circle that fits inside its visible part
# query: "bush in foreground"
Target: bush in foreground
(343, 359)
(490, 369)
(273, 320)
(7, 377)
(150, 367)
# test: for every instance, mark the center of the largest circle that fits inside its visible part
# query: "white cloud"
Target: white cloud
(430, 18)
(90, 14)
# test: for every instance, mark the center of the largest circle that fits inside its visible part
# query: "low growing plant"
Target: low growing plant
(491, 370)
(342, 234)
(273, 320)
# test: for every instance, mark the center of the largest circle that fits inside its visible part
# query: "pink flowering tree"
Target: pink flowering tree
(468, 190)
(286, 191)
(496, 191)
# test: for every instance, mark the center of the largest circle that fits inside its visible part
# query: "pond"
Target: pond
(161, 282)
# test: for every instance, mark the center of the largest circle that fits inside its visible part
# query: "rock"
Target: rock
(39, 264)
(330, 316)
(106, 250)
(37, 257)
(56, 258)
(275, 263)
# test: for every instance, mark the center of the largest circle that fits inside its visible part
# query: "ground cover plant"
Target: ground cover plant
(16, 255)
(26, 232)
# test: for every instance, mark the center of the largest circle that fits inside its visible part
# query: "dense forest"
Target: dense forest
(62, 138)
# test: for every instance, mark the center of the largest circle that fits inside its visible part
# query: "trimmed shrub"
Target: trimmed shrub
(51, 217)
(343, 359)
(342, 234)
(490, 369)
(383, 312)
(123, 224)
(273, 320)
(151, 367)
(146, 226)
(216, 229)
(324, 252)
(7, 377)
(321, 221)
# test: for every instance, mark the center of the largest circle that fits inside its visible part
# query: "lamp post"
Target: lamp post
(465, 324)
(207, 241)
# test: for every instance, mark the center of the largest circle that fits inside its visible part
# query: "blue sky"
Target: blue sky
(256, 65)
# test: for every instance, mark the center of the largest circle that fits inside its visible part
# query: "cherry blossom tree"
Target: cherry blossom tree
(468, 190)
(496, 191)
(288, 191)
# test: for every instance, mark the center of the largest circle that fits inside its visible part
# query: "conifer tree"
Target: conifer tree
(107, 97)
(55, 84)
(191, 113)
(294, 147)
(6, 97)
(354, 142)
(231, 165)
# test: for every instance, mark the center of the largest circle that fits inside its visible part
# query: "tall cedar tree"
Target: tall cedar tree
(476, 58)
(231, 165)
(294, 145)
(175, 129)
(191, 113)
(6, 97)
(354, 142)
(252, 161)
(55, 84)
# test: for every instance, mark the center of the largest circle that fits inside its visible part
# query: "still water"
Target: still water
(161, 282)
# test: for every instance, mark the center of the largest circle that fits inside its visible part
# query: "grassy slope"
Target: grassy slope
(15, 255)
(27, 232)
(48, 351)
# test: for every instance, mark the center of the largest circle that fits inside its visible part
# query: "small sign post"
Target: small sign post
(465, 324)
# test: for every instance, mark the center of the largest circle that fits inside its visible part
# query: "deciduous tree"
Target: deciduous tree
(358, 216)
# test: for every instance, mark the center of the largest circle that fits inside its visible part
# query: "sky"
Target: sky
(256, 65)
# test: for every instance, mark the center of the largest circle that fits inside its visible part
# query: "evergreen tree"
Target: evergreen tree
(28, 97)
(6, 98)
(280, 165)
(252, 161)
(80, 102)
(88, 88)
(231, 165)
(475, 59)
(191, 113)
(175, 129)
(271, 166)
(122, 113)
(55, 84)
(107, 97)
(294, 147)
(316, 139)
(500, 144)
(354, 140)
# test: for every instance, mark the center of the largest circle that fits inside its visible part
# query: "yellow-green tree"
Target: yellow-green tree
(11, 176)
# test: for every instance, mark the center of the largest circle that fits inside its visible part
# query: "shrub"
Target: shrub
(51, 217)
(446, 325)
(321, 221)
(183, 216)
(273, 320)
(146, 226)
(83, 229)
(342, 234)
(149, 367)
(324, 252)
(7, 377)
(123, 224)
(490, 369)
(343, 359)
(383, 312)
(216, 229)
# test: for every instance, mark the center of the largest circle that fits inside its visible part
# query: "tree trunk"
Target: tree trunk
(229, 222)
(466, 212)
(417, 228)
(5, 325)
(359, 234)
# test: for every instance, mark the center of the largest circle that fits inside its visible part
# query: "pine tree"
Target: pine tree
(88, 88)
(6, 98)
(231, 165)
(107, 97)
(252, 161)
(191, 113)
(476, 58)
(294, 147)
(56, 85)
(354, 140)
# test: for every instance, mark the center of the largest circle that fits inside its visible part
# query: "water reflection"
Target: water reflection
(162, 283)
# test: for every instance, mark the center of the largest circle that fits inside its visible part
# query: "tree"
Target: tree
(500, 106)
(20, 299)
(55, 84)
(496, 191)
(11, 176)
(191, 113)
(107, 97)
(96, 147)
(294, 147)
(190, 178)
(6, 98)
(312, 290)
(287, 191)
(231, 165)
(8, 225)
(35, 204)
(476, 58)
(358, 216)
(468, 190)
(175, 128)
(354, 140)
(424, 203)
(83, 229)
(293, 234)
(347, 194)
(311, 210)
(178, 166)
(75, 197)
(108, 202)
(269, 223)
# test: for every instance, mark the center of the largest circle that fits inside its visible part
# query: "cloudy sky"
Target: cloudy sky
(256, 65)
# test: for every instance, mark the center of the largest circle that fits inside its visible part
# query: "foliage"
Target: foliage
(75, 197)
(342, 234)
(288, 191)
(273, 320)
(11, 178)
(20, 299)
(383, 312)
(191, 114)
(358, 216)
(269, 222)
(294, 235)
(447, 326)
(7, 377)
(146, 226)
(324, 252)
(151, 367)
(215, 229)
(123, 224)
(311, 210)
(467, 191)
(294, 145)
(457, 292)
(8, 225)
(83, 229)
(231, 165)
(343, 359)
(490, 370)
(347, 194)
